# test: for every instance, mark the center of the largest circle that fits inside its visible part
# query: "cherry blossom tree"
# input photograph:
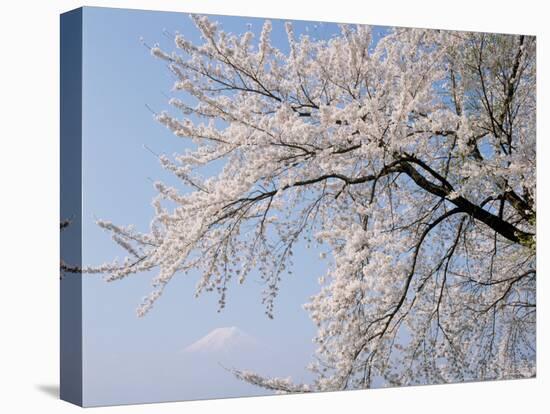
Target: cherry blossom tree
(65, 268)
(409, 159)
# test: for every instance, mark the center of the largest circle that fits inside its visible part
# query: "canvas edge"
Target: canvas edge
(71, 387)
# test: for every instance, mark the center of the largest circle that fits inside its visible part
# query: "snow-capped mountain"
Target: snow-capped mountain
(224, 340)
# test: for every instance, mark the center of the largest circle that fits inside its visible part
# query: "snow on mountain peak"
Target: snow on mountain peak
(226, 339)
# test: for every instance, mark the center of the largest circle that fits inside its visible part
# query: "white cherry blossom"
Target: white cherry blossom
(410, 159)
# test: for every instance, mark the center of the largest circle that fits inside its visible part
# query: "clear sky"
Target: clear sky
(129, 359)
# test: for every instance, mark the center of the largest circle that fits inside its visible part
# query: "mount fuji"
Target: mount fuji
(226, 340)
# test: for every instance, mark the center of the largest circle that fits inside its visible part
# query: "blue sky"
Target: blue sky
(129, 359)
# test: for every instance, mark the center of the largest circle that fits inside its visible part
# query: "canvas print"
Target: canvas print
(254, 206)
